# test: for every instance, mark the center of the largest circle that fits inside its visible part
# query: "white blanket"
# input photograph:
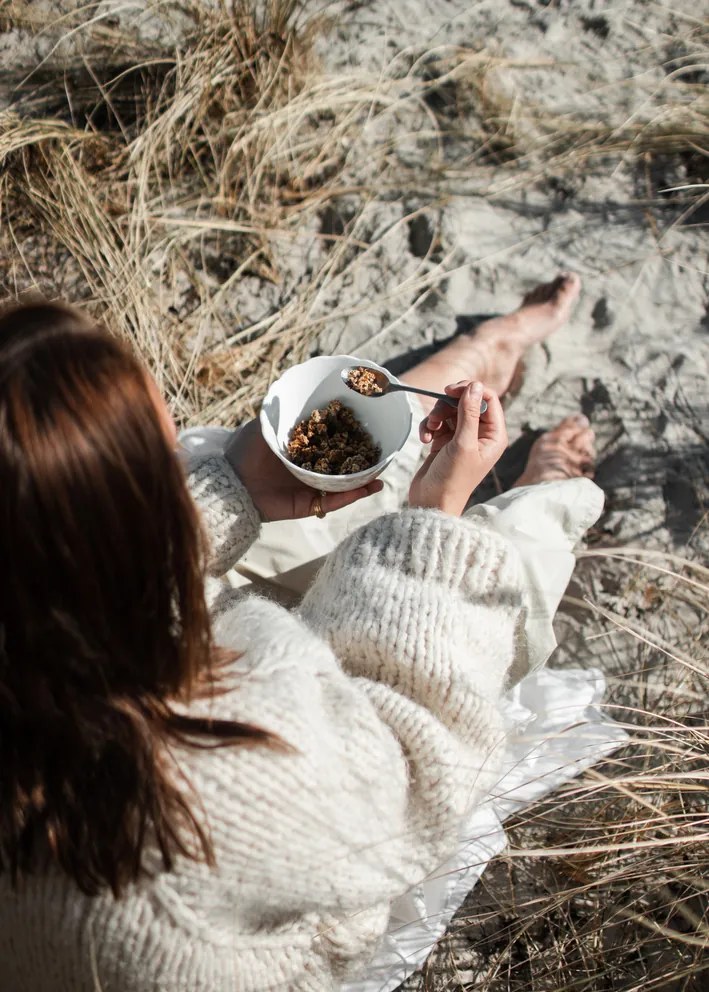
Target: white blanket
(556, 730)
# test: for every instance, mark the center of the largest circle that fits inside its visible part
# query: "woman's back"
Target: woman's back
(310, 846)
(189, 805)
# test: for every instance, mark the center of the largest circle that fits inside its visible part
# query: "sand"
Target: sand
(634, 355)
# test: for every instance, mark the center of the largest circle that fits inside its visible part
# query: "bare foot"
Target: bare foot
(492, 352)
(546, 308)
(566, 452)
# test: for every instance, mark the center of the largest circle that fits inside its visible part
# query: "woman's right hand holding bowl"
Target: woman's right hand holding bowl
(465, 445)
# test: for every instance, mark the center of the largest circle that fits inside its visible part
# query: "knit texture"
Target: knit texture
(232, 521)
(385, 684)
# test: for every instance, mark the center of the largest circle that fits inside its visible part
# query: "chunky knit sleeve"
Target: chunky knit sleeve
(424, 603)
(231, 520)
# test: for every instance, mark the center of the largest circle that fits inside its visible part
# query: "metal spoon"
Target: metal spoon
(386, 384)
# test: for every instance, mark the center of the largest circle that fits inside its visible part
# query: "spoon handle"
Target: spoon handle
(450, 400)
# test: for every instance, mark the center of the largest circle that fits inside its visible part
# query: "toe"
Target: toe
(572, 453)
(565, 294)
(569, 426)
(560, 291)
(580, 422)
(586, 441)
(570, 282)
(582, 440)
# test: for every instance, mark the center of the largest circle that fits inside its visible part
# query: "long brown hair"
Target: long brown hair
(102, 613)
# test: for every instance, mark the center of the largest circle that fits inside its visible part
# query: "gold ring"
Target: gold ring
(316, 507)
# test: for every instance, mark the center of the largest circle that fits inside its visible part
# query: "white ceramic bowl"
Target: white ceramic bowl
(312, 385)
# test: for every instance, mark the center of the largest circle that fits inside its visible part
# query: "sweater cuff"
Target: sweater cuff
(230, 518)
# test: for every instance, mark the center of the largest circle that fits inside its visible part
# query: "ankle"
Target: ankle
(497, 331)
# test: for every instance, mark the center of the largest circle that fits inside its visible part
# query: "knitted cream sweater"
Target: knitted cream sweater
(385, 682)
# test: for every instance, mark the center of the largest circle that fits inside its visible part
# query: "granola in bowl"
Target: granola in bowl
(332, 441)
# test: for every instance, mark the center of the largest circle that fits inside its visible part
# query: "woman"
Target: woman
(230, 803)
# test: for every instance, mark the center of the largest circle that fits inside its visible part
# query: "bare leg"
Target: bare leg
(492, 353)
(566, 452)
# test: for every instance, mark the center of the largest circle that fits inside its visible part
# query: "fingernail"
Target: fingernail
(582, 420)
(477, 387)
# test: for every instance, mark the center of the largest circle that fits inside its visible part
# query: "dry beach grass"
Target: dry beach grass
(201, 177)
(605, 883)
